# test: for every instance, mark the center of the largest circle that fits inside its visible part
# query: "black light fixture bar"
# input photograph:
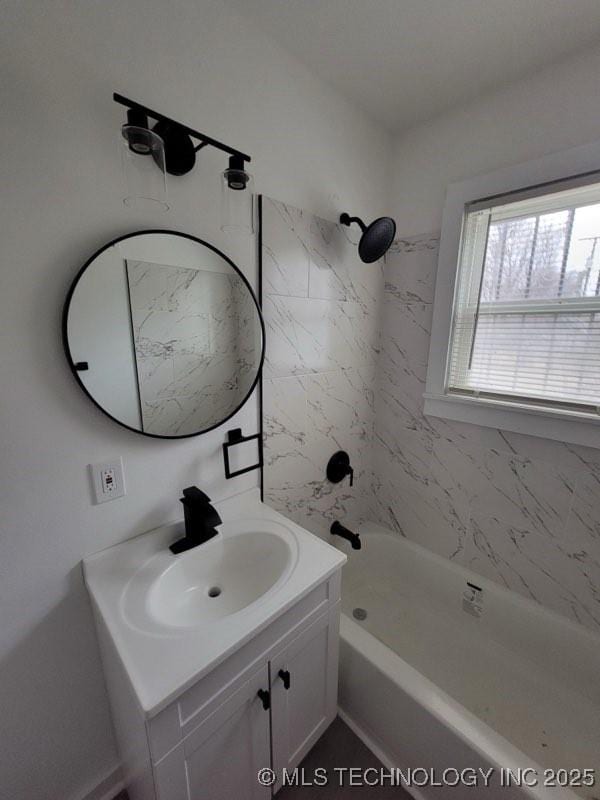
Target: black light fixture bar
(202, 137)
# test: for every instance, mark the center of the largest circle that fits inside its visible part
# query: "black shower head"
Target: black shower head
(376, 237)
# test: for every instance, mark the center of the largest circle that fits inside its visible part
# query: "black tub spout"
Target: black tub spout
(337, 529)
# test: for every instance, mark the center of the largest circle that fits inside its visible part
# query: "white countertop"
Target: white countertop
(163, 662)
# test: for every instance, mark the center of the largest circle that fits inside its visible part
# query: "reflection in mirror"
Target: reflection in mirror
(170, 331)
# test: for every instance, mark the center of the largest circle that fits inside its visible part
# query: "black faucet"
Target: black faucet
(201, 520)
(337, 529)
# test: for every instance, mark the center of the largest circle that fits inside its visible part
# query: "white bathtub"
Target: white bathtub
(430, 687)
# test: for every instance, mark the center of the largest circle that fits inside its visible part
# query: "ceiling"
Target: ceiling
(404, 61)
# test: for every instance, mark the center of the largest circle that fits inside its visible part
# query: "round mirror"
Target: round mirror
(164, 333)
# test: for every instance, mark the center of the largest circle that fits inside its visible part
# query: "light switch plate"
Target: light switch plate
(108, 480)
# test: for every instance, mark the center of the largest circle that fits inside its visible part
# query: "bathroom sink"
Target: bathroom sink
(173, 618)
(245, 562)
(218, 578)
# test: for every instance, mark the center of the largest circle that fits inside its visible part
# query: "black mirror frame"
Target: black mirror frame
(73, 365)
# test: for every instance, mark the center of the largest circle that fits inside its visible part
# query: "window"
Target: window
(526, 324)
(515, 340)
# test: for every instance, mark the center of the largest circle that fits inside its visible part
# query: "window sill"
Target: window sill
(563, 426)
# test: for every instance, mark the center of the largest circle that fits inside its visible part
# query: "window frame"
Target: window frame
(579, 165)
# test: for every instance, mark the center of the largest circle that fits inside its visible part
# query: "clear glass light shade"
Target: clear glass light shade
(237, 202)
(143, 162)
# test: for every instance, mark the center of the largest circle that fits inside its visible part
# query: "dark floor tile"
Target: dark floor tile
(340, 747)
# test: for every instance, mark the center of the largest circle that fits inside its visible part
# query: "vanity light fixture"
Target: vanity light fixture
(237, 206)
(136, 132)
(236, 176)
(145, 178)
(173, 147)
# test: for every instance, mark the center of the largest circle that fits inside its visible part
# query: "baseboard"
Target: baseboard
(377, 751)
(108, 788)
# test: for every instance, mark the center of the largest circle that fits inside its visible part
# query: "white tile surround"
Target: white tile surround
(520, 510)
(320, 307)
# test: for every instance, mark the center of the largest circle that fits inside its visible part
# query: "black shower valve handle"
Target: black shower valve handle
(339, 467)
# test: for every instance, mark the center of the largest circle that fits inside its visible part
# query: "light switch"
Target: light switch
(108, 480)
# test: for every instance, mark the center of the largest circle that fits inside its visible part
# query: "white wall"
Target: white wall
(60, 173)
(550, 111)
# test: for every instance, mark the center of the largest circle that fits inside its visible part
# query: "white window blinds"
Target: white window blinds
(526, 322)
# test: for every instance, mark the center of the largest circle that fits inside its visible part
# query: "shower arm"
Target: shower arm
(346, 219)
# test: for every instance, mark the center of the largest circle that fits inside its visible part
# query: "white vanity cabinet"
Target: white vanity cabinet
(222, 756)
(303, 691)
(210, 742)
(245, 679)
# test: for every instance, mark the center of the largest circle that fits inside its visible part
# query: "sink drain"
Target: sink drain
(214, 591)
(360, 614)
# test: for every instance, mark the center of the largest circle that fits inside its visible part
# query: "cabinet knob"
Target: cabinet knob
(285, 677)
(266, 698)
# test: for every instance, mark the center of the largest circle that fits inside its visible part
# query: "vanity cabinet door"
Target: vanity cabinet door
(304, 691)
(221, 758)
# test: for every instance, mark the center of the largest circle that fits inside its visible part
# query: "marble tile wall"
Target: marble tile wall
(194, 345)
(520, 510)
(347, 352)
(320, 307)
